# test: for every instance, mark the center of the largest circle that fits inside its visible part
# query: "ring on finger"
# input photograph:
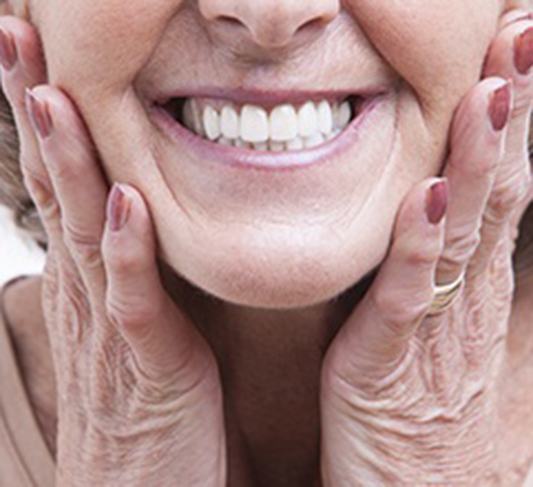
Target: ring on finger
(445, 295)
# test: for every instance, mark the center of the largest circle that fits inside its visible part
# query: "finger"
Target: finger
(77, 180)
(514, 15)
(376, 337)
(511, 55)
(22, 67)
(477, 142)
(164, 341)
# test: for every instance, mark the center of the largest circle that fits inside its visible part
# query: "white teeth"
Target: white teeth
(225, 141)
(283, 123)
(295, 144)
(192, 117)
(254, 124)
(242, 144)
(308, 119)
(333, 134)
(314, 140)
(211, 123)
(276, 146)
(261, 146)
(343, 115)
(325, 117)
(229, 123)
(284, 129)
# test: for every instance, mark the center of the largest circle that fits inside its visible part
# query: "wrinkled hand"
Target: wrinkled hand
(139, 396)
(408, 398)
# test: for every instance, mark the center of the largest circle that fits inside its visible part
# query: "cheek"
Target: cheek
(100, 46)
(437, 47)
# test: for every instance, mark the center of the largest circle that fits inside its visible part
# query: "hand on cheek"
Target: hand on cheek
(129, 364)
(408, 396)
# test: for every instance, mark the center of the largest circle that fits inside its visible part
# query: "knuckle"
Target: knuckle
(86, 249)
(62, 173)
(506, 197)
(131, 312)
(50, 209)
(460, 246)
(124, 260)
(421, 257)
(398, 312)
(416, 255)
(75, 306)
(522, 105)
(28, 167)
(42, 194)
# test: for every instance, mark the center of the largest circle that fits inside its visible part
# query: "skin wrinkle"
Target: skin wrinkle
(237, 250)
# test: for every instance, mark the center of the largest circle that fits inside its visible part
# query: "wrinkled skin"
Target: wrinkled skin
(387, 381)
(177, 44)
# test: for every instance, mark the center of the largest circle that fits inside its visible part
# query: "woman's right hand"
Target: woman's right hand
(139, 396)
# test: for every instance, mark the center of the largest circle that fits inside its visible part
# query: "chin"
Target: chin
(276, 271)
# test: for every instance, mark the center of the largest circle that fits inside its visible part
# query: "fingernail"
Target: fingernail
(39, 113)
(437, 201)
(118, 208)
(8, 50)
(500, 106)
(523, 51)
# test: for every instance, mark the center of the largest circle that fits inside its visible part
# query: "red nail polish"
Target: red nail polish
(523, 51)
(118, 208)
(500, 107)
(8, 50)
(39, 113)
(437, 202)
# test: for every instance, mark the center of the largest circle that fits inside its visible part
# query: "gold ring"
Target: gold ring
(445, 295)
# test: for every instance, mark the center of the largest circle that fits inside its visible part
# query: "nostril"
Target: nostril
(311, 25)
(230, 21)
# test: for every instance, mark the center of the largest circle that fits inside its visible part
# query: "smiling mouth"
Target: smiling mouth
(273, 128)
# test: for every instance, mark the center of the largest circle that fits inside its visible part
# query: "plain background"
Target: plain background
(18, 254)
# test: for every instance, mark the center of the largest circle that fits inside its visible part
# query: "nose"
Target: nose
(270, 23)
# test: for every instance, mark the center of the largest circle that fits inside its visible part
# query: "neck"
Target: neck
(238, 333)
(270, 362)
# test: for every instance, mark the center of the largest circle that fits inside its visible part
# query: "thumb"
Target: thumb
(164, 341)
(375, 337)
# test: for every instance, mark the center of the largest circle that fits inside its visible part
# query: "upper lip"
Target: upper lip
(267, 97)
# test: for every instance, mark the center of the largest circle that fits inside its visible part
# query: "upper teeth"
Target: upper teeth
(284, 128)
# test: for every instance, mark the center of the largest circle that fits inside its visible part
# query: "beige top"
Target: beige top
(25, 460)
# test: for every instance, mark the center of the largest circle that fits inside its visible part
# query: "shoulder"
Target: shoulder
(26, 326)
(25, 323)
(22, 303)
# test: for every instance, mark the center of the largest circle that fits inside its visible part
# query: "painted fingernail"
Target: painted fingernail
(523, 51)
(500, 106)
(437, 202)
(118, 208)
(8, 50)
(39, 113)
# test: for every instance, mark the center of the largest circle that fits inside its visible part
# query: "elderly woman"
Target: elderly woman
(288, 243)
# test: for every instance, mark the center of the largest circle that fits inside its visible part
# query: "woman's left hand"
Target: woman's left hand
(409, 398)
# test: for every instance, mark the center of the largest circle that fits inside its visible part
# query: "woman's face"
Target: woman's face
(261, 237)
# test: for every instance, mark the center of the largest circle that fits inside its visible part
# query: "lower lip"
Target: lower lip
(255, 159)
